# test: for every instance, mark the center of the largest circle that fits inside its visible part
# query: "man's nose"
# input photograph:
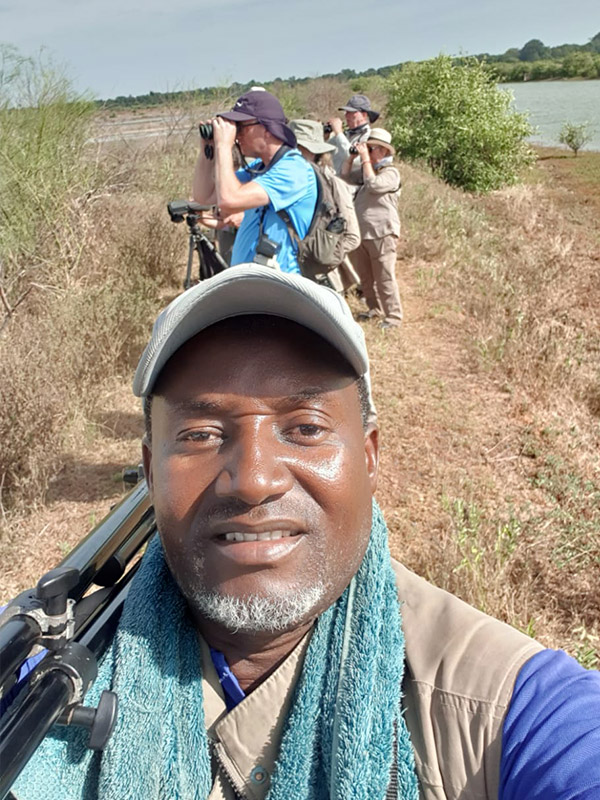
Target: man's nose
(255, 469)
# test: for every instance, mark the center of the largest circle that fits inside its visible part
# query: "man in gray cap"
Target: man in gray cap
(277, 179)
(269, 646)
(359, 116)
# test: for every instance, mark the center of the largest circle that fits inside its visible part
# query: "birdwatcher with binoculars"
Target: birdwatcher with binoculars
(274, 189)
(359, 116)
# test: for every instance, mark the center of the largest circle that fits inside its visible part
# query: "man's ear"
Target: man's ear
(372, 454)
(147, 462)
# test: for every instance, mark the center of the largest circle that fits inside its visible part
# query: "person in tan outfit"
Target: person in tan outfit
(269, 647)
(376, 204)
(310, 142)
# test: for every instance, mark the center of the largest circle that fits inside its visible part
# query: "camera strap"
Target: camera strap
(285, 148)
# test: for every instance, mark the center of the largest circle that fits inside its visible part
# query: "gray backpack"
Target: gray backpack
(326, 242)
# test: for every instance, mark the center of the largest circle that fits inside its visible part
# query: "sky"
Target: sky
(122, 47)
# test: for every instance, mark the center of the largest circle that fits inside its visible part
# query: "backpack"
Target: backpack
(326, 242)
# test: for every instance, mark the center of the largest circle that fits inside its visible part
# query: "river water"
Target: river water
(552, 103)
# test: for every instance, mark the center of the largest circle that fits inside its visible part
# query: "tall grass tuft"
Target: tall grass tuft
(82, 266)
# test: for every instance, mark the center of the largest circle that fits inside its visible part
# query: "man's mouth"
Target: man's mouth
(239, 536)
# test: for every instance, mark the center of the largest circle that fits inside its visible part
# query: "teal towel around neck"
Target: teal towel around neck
(338, 742)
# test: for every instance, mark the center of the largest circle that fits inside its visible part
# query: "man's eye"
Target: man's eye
(310, 430)
(307, 433)
(201, 436)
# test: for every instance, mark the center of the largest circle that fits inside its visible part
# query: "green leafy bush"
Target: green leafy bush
(574, 136)
(456, 119)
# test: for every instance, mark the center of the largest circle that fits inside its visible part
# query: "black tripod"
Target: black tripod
(210, 261)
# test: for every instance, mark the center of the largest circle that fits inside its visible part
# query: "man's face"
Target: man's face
(249, 134)
(354, 119)
(260, 469)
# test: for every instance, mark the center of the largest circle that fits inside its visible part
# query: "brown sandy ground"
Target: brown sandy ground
(479, 470)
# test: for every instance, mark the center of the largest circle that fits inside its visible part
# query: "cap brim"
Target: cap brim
(349, 108)
(316, 147)
(251, 289)
(235, 116)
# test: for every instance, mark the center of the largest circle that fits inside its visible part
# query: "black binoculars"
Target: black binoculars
(207, 131)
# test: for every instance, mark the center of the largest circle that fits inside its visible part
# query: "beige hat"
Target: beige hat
(381, 137)
(309, 134)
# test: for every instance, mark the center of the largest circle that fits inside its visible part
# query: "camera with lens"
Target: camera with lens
(266, 252)
(207, 131)
(353, 150)
(180, 209)
(327, 128)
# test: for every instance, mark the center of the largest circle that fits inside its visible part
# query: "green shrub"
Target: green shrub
(456, 119)
(574, 136)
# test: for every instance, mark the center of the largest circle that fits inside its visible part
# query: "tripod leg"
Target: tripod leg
(188, 275)
(204, 270)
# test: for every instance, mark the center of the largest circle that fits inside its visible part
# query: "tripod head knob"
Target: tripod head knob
(53, 589)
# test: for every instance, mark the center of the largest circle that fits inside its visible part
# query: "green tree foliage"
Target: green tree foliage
(533, 50)
(574, 136)
(454, 117)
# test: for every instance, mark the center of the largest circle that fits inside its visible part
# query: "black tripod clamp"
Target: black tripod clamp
(38, 619)
(44, 618)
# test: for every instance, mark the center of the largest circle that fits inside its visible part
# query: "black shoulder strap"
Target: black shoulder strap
(285, 148)
(283, 214)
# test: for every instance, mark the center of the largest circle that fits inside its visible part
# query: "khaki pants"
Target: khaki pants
(375, 262)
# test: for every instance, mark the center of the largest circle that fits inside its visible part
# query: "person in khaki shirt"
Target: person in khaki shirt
(376, 204)
(310, 142)
(269, 647)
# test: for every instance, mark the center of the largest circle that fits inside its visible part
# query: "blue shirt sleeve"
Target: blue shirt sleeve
(551, 734)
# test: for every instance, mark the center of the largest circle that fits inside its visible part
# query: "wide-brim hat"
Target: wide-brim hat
(381, 137)
(360, 102)
(264, 107)
(309, 134)
(251, 289)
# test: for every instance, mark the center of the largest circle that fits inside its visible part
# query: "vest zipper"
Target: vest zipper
(222, 766)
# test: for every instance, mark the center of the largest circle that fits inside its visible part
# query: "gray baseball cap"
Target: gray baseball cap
(360, 102)
(251, 289)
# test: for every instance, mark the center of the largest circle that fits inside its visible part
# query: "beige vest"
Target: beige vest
(460, 669)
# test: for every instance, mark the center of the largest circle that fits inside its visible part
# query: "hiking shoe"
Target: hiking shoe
(386, 325)
(363, 316)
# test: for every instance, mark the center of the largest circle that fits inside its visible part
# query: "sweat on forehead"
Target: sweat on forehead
(308, 347)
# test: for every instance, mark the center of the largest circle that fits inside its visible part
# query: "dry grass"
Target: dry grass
(488, 404)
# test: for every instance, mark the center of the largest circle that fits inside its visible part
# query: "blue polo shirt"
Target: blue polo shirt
(291, 185)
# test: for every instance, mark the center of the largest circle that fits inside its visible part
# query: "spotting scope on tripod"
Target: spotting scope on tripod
(210, 262)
